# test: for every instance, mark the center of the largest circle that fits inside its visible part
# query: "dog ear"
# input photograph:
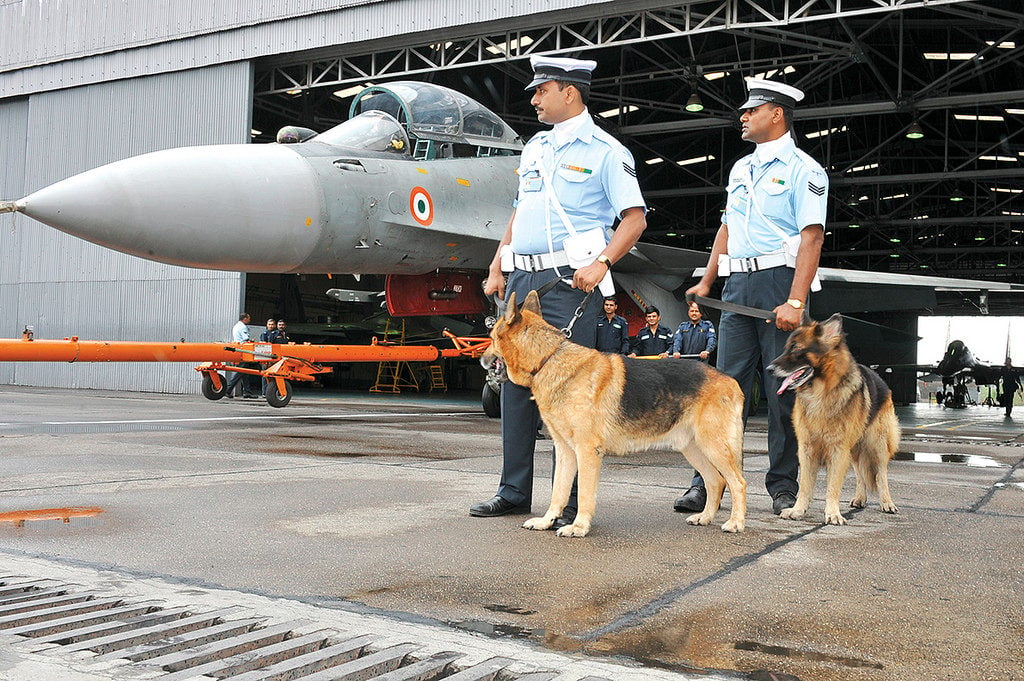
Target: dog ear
(532, 302)
(805, 318)
(832, 328)
(512, 313)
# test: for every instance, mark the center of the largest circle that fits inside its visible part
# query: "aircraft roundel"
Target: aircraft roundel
(421, 206)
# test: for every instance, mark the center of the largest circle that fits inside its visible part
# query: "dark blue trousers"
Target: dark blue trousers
(519, 416)
(746, 344)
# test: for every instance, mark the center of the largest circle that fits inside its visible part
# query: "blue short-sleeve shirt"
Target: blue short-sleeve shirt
(790, 190)
(593, 176)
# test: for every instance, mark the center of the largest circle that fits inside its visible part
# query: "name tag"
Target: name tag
(532, 182)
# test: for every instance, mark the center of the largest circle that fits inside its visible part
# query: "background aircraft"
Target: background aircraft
(957, 368)
(418, 184)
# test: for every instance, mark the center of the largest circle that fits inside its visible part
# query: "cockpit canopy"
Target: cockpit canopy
(438, 121)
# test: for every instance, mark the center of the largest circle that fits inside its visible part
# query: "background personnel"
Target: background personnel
(776, 199)
(593, 177)
(653, 339)
(695, 337)
(612, 329)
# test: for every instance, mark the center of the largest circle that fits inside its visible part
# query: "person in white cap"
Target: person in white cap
(575, 181)
(768, 246)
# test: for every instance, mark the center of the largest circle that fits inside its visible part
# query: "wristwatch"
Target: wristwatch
(794, 303)
(605, 259)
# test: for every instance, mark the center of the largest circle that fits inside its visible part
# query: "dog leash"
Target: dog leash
(731, 307)
(567, 330)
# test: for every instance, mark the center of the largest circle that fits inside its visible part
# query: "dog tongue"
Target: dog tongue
(789, 380)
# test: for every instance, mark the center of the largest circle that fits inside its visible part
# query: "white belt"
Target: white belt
(761, 262)
(540, 261)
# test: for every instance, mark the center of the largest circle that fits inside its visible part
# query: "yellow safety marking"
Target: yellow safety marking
(464, 183)
(309, 221)
(422, 170)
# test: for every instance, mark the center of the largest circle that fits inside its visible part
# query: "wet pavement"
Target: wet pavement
(357, 505)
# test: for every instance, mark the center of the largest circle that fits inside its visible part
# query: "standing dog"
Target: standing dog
(595, 403)
(843, 413)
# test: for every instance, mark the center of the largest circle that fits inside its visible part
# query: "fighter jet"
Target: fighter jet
(957, 368)
(418, 184)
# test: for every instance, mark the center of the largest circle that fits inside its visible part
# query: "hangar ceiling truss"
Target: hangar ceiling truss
(871, 70)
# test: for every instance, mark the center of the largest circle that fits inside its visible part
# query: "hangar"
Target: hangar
(914, 107)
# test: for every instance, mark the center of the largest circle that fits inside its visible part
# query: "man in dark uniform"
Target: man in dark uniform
(653, 339)
(695, 337)
(591, 177)
(612, 330)
(1009, 382)
(768, 246)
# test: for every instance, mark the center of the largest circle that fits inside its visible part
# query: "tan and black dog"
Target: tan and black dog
(843, 414)
(595, 403)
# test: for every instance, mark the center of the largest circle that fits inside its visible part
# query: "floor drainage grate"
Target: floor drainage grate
(223, 644)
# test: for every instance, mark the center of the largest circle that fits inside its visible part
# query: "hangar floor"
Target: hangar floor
(356, 506)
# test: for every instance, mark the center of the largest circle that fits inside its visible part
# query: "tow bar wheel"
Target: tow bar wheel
(209, 391)
(274, 397)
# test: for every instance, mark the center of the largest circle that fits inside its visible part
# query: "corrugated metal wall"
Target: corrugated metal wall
(64, 286)
(77, 42)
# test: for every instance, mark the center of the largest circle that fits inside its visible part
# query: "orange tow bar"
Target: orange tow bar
(282, 363)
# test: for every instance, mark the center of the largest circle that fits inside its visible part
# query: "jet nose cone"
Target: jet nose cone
(233, 207)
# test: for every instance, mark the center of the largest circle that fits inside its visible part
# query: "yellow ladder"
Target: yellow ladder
(437, 378)
(393, 376)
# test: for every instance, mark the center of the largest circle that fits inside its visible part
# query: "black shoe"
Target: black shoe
(568, 517)
(694, 500)
(781, 501)
(229, 396)
(497, 506)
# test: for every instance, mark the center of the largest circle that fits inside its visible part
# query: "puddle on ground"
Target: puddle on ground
(971, 460)
(49, 516)
(511, 609)
(784, 651)
(498, 630)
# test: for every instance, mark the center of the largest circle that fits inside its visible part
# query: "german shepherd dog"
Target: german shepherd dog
(596, 403)
(843, 413)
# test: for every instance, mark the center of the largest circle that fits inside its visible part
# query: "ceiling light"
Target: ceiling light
(654, 161)
(852, 200)
(1015, 112)
(295, 91)
(1006, 159)
(974, 117)
(854, 225)
(823, 133)
(957, 196)
(715, 75)
(1005, 190)
(671, 234)
(696, 159)
(894, 196)
(894, 240)
(857, 169)
(894, 255)
(511, 46)
(1006, 44)
(775, 72)
(950, 56)
(693, 104)
(349, 91)
(618, 110)
(914, 132)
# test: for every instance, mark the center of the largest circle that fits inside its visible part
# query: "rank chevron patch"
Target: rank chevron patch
(631, 171)
(816, 189)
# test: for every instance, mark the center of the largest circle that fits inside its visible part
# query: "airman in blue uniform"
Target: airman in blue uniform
(768, 245)
(612, 329)
(575, 181)
(654, 340)
(695, 337)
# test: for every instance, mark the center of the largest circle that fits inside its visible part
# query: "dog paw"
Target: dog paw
(733, 526)
(835, 519)
(572, 531)
(792, 513)
(698, 519)
(858, 502)
(541, 523)
(889, 507)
